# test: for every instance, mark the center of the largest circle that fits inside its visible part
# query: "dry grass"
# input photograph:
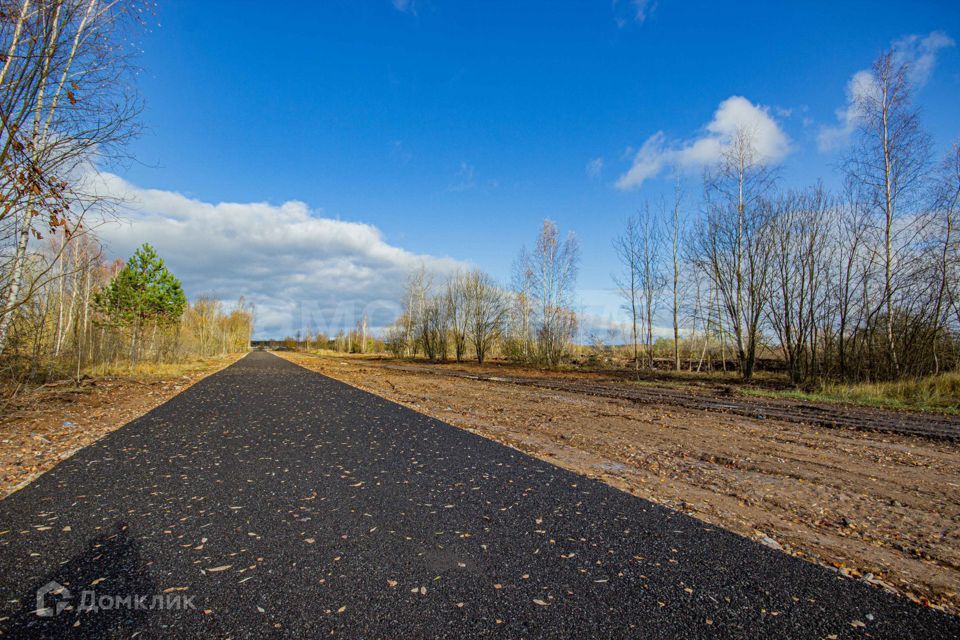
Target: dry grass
(939, 393)
(154, 369)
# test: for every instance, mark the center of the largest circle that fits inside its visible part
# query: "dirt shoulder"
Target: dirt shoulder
(710, 396)
(883, 507)
(42, 427)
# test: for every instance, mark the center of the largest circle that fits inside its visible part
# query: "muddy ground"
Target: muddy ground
(42, 426)
(879, 506)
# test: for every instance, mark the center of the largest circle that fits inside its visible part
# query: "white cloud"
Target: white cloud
(860, 85)
(595, 167)
(770, 143)
(298, 267)
(919, 53)
(649, 161)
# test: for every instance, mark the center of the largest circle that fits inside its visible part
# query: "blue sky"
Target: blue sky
(454, 128)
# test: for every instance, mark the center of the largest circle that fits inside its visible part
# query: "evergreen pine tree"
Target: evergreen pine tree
(144, 292)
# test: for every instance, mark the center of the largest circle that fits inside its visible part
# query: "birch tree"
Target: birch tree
(550, 274)
(64, 106)
(651, 279)
(888, 164)
(733, 248)
(627, 247)
(676, 250)
(947, 210)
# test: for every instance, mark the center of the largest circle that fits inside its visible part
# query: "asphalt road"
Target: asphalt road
(270, 501)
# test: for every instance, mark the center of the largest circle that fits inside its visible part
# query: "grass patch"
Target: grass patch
(939, 393)
(154, 369)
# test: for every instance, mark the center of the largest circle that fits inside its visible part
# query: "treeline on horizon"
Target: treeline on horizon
(858, 285)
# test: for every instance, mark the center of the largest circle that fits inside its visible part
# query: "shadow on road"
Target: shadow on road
(111, 568)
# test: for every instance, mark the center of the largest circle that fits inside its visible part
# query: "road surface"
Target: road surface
(270, 501)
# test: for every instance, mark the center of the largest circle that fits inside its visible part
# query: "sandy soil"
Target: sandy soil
(40, 428)
(881, 507)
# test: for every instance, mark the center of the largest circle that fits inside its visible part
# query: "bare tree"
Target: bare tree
(457, 302)
(733, 246)
(627, 247)
(487, 309)
(852, 274)
(435, 328)
(550, 274)
(798, 231)
(520, 317)
(416, 295)
(676, 250)
(641, 279)
(888, 165)
(652, 280)
(947, 209)
(64, 105)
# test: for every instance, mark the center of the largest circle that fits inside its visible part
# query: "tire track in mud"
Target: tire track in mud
(927, 425)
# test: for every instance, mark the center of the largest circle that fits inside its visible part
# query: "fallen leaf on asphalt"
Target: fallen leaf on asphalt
(223, 567)
(391, 583)
(540, 602)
